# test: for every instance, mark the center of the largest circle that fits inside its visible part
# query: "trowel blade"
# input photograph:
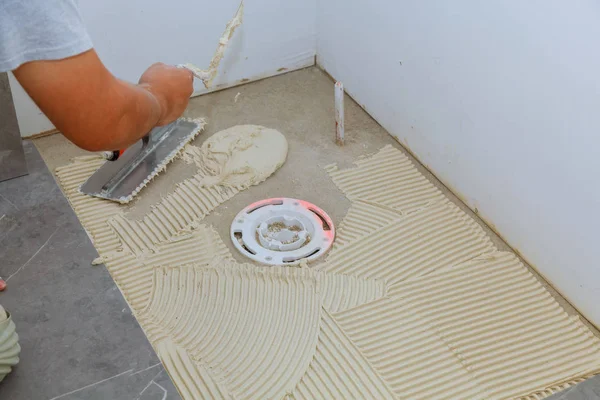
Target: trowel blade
(122, 179)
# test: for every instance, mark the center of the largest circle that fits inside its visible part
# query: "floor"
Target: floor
(78, 337)
(72, 305)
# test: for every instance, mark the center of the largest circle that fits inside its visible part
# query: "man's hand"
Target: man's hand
(97, 111)
(171, 86)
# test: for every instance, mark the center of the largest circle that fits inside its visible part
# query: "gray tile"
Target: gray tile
(77, 334)
(8, 222)
(128, 385)
(154, 392)
(12, 157)
(34, 189)
(6, 206)
(588, 390)
(164, 382)
(30, 229)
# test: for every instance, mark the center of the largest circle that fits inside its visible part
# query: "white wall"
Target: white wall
(501, 99)
(131, 35)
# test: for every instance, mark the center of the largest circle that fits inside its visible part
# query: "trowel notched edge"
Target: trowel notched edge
(123, 179)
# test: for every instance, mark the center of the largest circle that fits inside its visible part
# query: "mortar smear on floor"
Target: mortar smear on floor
(415, 302)
(171, 230)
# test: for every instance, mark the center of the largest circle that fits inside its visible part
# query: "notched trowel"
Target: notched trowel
(124, 175)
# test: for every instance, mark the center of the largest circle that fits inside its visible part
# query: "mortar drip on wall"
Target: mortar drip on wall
(207, 76)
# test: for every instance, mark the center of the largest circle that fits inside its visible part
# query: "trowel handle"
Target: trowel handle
(115, 154)
(112, 155)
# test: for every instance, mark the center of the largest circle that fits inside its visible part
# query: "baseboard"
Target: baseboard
(305, 63)
(41, 134)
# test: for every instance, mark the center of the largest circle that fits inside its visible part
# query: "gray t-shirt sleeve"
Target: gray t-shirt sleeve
(32, 30)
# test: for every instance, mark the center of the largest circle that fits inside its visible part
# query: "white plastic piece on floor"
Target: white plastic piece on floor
(282, 231)
(339, 113)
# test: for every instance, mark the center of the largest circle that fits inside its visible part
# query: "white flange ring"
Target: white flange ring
(282, 231)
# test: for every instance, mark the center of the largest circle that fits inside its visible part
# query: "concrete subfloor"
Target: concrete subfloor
(300, 105)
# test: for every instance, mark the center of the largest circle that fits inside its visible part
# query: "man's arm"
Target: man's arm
(97, 111)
